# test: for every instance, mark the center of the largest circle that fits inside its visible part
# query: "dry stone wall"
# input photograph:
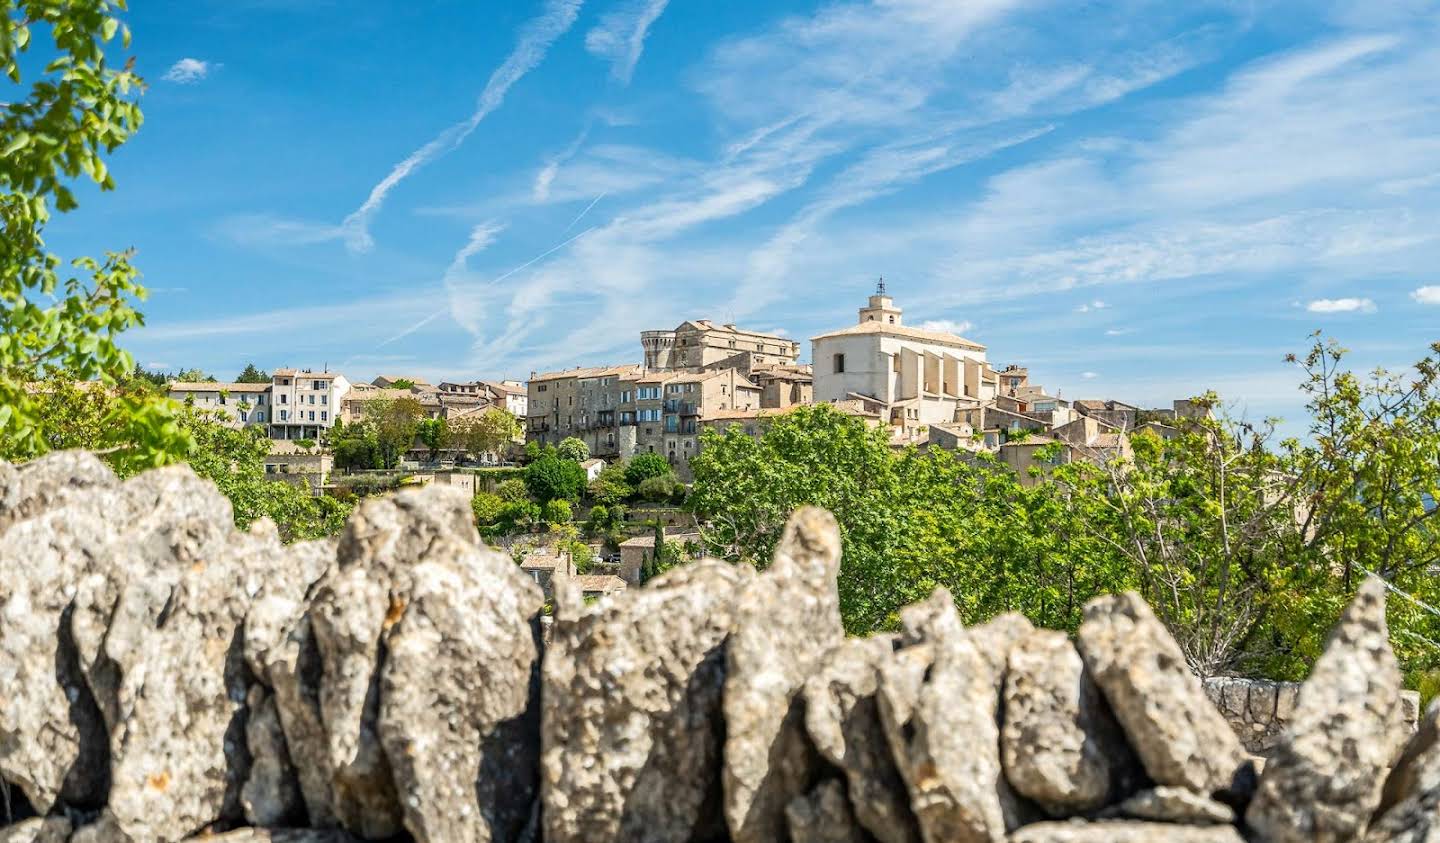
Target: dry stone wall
(166, 677)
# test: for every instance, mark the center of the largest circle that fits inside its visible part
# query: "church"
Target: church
(910, 377)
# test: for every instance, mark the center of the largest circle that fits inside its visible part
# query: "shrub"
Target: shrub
(487, 507)
(557, 511)
(512, 490)
(573, 449)
(657, 489)
(553, 477)
(643, 467)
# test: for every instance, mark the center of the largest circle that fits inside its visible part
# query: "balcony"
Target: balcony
(689, 408)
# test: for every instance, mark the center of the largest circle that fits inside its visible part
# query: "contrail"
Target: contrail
(534, 43)
(583, 213)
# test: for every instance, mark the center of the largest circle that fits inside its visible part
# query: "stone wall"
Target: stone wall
(1260, 709)
(166, 677)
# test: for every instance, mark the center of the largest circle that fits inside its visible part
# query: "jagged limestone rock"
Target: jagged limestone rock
(37, 829)
(995, 639)
(632, 726)
(1326, 776)
(357, 606)
(271, 794)
(1410, 807)
(842, 717)
(459, 704)
(161, 647)
(1124, 831)
(823, 816)
(786, 620)
(936, 702)
(1178, 734)
(52, 481)
(1060, 745)
(1174, 805)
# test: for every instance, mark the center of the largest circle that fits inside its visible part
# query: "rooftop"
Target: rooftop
(210, 386)
(903, 332)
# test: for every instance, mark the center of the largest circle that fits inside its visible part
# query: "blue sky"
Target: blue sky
(1136, 199)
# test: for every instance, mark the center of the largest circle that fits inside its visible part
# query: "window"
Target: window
(312, 399)
(319, 384)
(260, 417)
(839, 364)
(325, 399)
(324, 416)
(284, 399)
(312, 415)
(541, 388)
(284, 414)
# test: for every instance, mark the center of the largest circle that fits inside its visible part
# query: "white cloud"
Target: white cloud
(1089, 376)
(620, 37)
(1347, 305)
(1089, 306)
(271, 230)
(188, 71)
(1426, 295)
(1118, 332)
(534, 42)
(948, 326)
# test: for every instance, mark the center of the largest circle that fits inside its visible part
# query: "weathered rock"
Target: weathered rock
(1325, 779)
(1174, 805)
(1178, 734)
(356, 604)
(1060, 745)
(136, 589)
(842, 717)
(786, 620)
(1404, 779)
(994, 640)
(271, 794)
(936, 701)
(37, 829)
(1124, 831)
(279, 835)
(632, 724)
(1410, 806)
(459, 705)
(823, 816)
(52, 481)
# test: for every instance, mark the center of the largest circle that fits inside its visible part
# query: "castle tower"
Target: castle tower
(657, 345)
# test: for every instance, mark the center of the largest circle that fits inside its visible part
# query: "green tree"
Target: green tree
(395, 423)
(489, 432)
(573, 449)
(552, 477)
(252, 375)
(557, 511)
(194, 376)
(487, 508)
(56, 132)
(402, 383)
(657, 489)
(513, 490)
(642, 467)
(434, 435)
(609, 487)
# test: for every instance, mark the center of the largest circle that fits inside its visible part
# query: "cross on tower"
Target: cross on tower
(880, 287)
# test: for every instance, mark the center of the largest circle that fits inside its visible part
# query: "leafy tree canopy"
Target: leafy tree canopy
(573, 449)
(552, 477)
(250, 374)
(642, 467)
(67, 110)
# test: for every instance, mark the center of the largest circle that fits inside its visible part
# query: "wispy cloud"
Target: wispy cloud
(1089, 306)
(188, 71)
(1118, 332)
(272, 230)
(949, 326)
(1089, 376)
(1346, 305)
(620, 37)
(1426, 295)
(534, 42)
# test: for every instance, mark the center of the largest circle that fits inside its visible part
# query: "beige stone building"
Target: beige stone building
(620, 411)
(295, 404)
(917, 377)
(702, 344)
(234, 404)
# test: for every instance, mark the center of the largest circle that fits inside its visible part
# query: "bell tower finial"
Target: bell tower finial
(880, 287)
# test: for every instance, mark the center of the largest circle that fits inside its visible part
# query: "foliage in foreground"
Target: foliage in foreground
(54, 132)
(1248, 548)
